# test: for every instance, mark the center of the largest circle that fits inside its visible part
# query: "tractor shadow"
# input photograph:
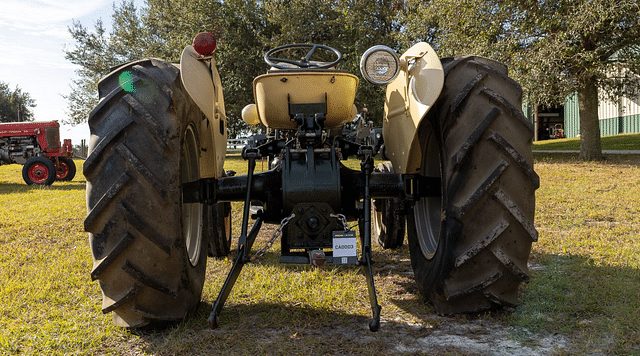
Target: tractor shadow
(564, 291)
(267, 329)
(12, 188)
(572, 158)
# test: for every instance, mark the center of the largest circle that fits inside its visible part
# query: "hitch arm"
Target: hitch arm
(238, 263)
(244, 248)
(367, 167)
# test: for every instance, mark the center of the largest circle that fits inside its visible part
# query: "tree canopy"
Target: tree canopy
(553, 48)
(96, 52)
(15, 105)
(245, 31)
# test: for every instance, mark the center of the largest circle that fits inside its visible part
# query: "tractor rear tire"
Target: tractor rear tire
(388, 228)
(39, 171)
(470, 246)
(218, 228)
(66, 171)
(149, 248)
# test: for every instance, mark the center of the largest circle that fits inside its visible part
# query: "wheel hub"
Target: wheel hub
(191, 212)
(38, 173)
(428, 211)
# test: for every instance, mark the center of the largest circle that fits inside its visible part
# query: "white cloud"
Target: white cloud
(17, 12)
(33, 35)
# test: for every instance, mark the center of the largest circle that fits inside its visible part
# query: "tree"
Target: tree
(96, 52)
(16, 105)
(162, 29)
(245, 30)
(239, 27)
(554, 48)
(371, 23)
(351, 26)
(585, 40)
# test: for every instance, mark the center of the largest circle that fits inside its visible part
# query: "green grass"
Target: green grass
(617, 142)
(585, 280)
(586, 283)
(48, 305)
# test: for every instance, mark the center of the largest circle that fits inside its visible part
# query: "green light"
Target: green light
(126, 82)
(142, 89)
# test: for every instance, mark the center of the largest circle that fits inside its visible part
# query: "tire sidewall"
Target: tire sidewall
(195, 274)
(216, 229)
(431, 271)
(388, 228)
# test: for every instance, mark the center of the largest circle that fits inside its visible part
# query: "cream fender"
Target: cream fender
(202, 81)
(409, 98)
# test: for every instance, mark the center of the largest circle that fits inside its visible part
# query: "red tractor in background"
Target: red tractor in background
(36, 145)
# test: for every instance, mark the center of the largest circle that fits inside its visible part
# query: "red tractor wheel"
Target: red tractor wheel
(39, 171)
(65, 169)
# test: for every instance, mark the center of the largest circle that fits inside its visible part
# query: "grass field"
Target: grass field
(617, 142)
(585, 283)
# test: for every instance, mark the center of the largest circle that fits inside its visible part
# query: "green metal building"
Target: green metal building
(616, 117)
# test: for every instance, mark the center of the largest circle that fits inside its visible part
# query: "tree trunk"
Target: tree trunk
(590, 149)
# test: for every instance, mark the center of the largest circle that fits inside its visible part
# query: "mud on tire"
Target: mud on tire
(469, 247)
(149, 254)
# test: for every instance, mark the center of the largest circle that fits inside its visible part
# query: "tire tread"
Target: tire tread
(488, 199)
(134, 198)
(481, 190)
(109, 305)
(137, 273)
(103, 263)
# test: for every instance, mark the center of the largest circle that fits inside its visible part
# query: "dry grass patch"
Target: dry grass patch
(585, 285)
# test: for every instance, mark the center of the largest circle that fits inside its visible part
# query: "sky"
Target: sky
(33, 36)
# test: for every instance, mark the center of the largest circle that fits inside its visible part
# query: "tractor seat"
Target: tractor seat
(274, 91)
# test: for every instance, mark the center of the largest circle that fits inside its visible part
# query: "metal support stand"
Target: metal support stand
(244, 247)
(367, 167)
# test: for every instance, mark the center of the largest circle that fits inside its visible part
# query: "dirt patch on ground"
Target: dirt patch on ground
(441, 336)
(474, 338)
(449, 337)
(409, 326)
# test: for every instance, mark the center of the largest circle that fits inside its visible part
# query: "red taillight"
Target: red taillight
(204, 43)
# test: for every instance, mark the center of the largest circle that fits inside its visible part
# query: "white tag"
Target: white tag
(344, 247)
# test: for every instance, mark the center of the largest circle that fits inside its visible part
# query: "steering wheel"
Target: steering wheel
(304, 62)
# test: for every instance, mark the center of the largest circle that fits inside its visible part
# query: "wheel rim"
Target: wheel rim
(227, 227)
(192, 212)
(427, 212)
(38, 173)
(62, 171)
(376, 222)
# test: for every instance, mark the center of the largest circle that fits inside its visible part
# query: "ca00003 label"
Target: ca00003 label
(344, 248)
